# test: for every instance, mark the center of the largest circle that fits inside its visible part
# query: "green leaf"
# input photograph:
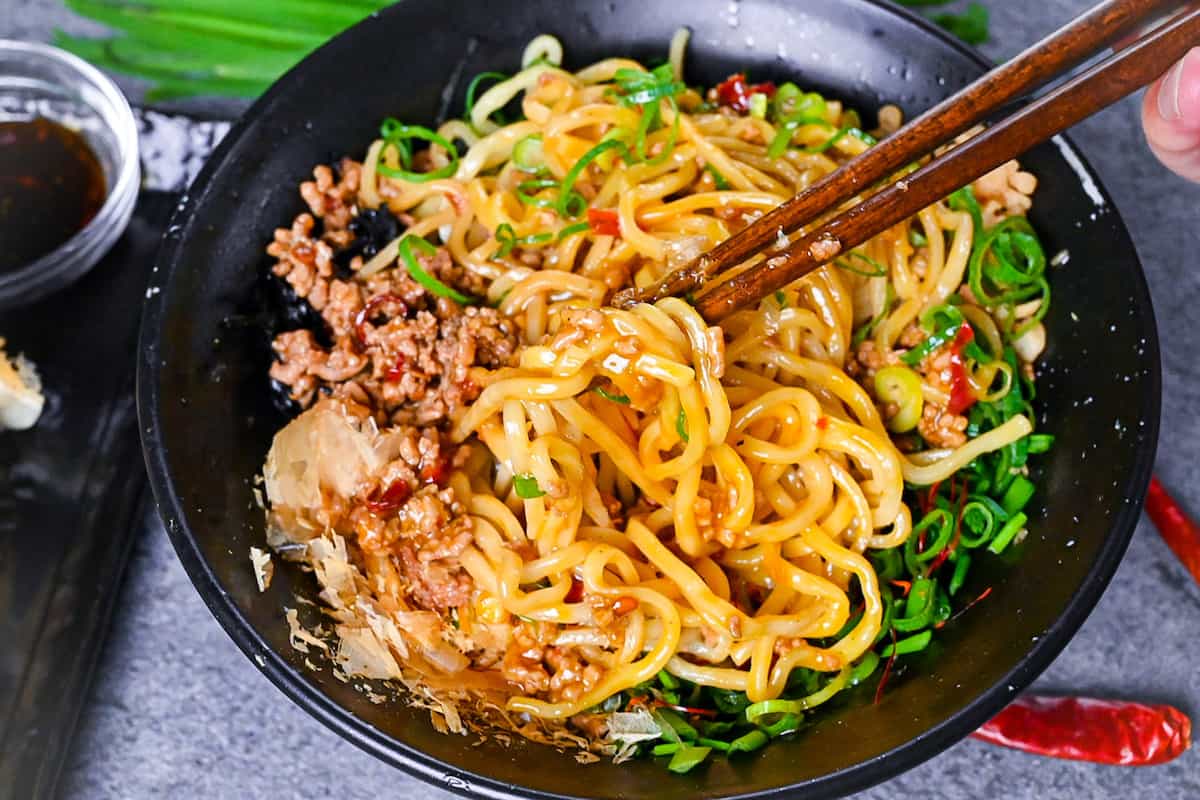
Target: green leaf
(971, 26)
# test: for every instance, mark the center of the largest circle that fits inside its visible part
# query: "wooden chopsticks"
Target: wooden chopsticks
(1078, 98)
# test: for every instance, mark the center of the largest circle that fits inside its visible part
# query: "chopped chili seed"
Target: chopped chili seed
(604, 221)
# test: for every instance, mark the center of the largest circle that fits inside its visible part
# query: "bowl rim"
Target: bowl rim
(78, 254)
(885, 766)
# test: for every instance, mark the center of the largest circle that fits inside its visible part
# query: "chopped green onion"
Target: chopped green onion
(749, 742)
(1018, 495)
(508, 239)
(865, 668)
(397, 135)
(715, 744)
(421, 276)
(571, 230)
(688, 757)
(473, 87)
(916, 238)
(1008, 533)
(526, 192)
(665, 749)
(528, 156)
(729, 701)
(568, 182)
(668, 680)
(526, 486)
(718, 179)
(981, 517)
(1040, 443)
(912, 644)
(960, 573)
(788, 723)
(781, 299)
(673, 726)
(681, 426)
(876, 270)
(616, 398)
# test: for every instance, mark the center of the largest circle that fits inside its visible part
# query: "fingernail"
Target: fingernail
(1168, 93)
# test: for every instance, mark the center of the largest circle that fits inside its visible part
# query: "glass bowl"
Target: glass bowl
(40, 80)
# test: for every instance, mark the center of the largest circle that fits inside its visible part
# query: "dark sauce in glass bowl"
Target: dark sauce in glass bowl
(51, 186)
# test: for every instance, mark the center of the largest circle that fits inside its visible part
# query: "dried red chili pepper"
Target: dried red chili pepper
(735, 92)
(1086, 729)
(392, 498)
(698, 712)
(370, 309)
(604, 221)
(961, 396)
(1179, 531)
(438, 470)
(397, 370)
(575, 593)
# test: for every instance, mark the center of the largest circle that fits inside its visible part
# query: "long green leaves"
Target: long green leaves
(230, 48)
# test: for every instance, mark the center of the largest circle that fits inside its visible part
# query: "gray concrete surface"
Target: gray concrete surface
(177, 711)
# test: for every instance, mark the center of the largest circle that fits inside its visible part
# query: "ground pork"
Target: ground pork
(941, 428)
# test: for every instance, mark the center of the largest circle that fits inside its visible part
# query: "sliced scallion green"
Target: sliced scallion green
(421, 276)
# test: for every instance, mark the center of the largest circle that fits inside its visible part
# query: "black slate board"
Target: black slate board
(70, 490)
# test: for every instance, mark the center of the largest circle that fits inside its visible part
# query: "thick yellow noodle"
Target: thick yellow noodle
(745, 455)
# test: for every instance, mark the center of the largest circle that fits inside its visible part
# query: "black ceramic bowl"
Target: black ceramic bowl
(208, 422)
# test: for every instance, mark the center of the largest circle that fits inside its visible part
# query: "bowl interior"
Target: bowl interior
(208, 421)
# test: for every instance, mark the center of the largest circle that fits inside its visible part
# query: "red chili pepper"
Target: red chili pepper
(392, 498)
(438, 470)
(949, 549)
(370, 309)
(927, 500)
(735, 92)
(699, 712)
(604, 221)
(398, 369)
(575, 593)
(906, 586)
(1086, 729)
(887, 670)
(1179, 531)
(961, 396)
(822, 423)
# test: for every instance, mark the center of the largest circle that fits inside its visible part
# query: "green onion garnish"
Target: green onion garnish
(749, 742)
(398, 135)
(688, 757)
(718, 179)
(1018, 495)
(912, 644)
(526, 486)
(874, 270)
(1008, 533)
(421, 276)
(473, 87)
(681, 426)
(527, 155)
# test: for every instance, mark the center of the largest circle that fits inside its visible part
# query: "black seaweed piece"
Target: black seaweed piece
(373, 229)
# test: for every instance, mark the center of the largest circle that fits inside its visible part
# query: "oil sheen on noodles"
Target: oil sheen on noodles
(667, 462)
(770, 412)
